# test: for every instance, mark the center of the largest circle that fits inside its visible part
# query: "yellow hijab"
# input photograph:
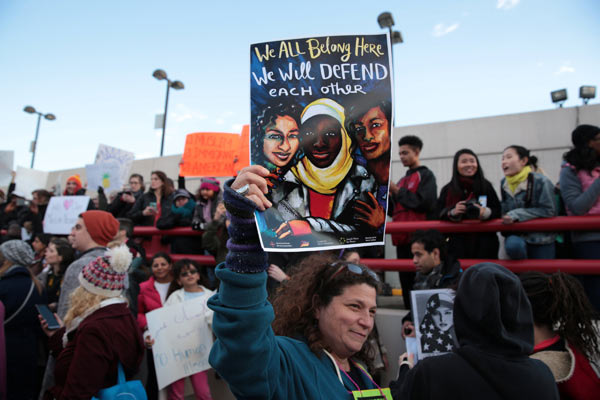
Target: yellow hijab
(325, 180)
(516, 179)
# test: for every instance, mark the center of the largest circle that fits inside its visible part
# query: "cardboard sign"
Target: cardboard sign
(27, 180)
(62, 213)
(111, 155)
(182, 340)
(105, 175)
(209, 154)
(6, 166)
(321, 123)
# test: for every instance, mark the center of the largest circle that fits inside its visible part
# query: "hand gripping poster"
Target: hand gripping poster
(321, 123)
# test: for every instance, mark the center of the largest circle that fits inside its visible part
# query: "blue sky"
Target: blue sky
(91, 64)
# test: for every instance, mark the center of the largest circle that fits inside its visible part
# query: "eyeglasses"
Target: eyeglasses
(354, 268)
(188, 272)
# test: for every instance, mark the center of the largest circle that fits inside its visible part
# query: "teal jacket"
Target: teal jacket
(257, 364)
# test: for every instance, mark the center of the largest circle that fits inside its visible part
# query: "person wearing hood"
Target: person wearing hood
(19, 292)
(180, 215)
(494, 327)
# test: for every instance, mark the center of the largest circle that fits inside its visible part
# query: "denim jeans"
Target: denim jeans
(518, 249)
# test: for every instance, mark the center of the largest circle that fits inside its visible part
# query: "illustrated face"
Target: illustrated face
(511, 163)
(155, 182)
(345, 323)
(467, 165)
(51, 255)
(80, 237)
(71, 187)
(322, 140)
(135, 184)
(408, 155)
(373, 134)
(181, 201)
(160, 269)
(423, 260)
(442, 318)
(281, 141)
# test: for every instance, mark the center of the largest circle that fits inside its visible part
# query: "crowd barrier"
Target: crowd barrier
(557, 224)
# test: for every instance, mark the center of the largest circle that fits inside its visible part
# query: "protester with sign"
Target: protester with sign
(469, 196)
(326, 313)
(19, 292)
(99, 332)
(151, 205)
(189, 283)
(526, 195)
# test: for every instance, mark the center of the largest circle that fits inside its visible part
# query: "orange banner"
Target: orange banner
(209, 154)
(242, 158)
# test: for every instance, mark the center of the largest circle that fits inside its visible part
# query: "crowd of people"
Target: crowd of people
(302, 326)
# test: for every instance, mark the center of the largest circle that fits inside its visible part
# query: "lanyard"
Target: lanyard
(338, 369)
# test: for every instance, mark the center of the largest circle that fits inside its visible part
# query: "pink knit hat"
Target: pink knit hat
(107, 275)
(210, 183)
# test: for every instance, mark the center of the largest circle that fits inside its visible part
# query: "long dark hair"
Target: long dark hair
(65, 250)
(582, 156)
(311, 287)
(522, 152)
(183, 265)
(558, 301)
(478, 179)
(165, 189)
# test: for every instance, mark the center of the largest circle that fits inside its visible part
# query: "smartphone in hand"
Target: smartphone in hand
(48, 315)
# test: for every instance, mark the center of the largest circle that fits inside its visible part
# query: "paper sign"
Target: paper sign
(6, 166)
(62, 213)
(209, 154)
(182, 340)
(111, 155)
(242, 157)
(105, 175)
(27, 180)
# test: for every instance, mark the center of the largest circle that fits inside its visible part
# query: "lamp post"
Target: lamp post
(385, 20)
(177, 85)
(49, 117)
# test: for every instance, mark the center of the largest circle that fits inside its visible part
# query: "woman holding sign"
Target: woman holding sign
(325, 315)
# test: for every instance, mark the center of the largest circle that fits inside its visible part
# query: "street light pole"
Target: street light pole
(49, 117)
(177, 85)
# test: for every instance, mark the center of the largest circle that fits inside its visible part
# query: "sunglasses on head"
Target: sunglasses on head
(188, 272)
(354, 268)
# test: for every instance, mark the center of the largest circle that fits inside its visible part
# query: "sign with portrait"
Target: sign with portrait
(62, 213)
(434, 321)
(321, 123)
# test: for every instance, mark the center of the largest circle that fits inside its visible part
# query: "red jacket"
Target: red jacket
(89, 362)
(148, 300)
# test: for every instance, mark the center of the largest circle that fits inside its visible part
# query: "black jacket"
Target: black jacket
(119, 209)
(494, 326)
(136, 212)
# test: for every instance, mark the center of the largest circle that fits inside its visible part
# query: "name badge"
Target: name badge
(483, 201)
(373, 394)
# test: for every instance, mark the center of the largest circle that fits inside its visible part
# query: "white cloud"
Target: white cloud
(506, 4)
(443, 29)
(236, 127)
(183, 113)
(566, 68)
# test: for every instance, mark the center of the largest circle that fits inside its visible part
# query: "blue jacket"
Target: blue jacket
(255, 363)
(541, 205)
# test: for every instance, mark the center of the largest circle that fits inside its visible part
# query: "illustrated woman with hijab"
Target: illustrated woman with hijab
(437, 333)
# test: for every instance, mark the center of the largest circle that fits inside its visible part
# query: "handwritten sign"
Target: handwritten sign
(27, 180)
(209, 154)
(112, 155)
(62, 213)
(106, 175)
(182, 340)
(6, 166)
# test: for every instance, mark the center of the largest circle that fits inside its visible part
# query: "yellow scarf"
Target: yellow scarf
(516, 179)
(325, 180)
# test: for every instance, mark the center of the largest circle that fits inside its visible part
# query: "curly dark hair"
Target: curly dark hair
(311, 287)
(558, 301)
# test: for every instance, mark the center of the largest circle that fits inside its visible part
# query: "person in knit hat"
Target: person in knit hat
(74, 186)
(89, 236)
(99, 331)
(208, 198)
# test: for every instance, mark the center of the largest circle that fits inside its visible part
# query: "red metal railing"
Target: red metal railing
(580, 223)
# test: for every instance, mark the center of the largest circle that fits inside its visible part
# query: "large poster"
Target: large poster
(27, 180)
(121, 159)
(321, 122)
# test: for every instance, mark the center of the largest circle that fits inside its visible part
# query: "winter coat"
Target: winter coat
(494, 327)
(136, 212)
(22, 332)
(89, 361)
(180, 244)
(471, 245)
(581, 194)
(119, 209)
(148, 300)
(540, 205)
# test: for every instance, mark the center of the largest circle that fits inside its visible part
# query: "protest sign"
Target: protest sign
(105, 175)
(6, 166)
(111, 155)
(209, 154)
(182, 340)
(27, 180)
(62, 213)
(433, 319)
(321, 119)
